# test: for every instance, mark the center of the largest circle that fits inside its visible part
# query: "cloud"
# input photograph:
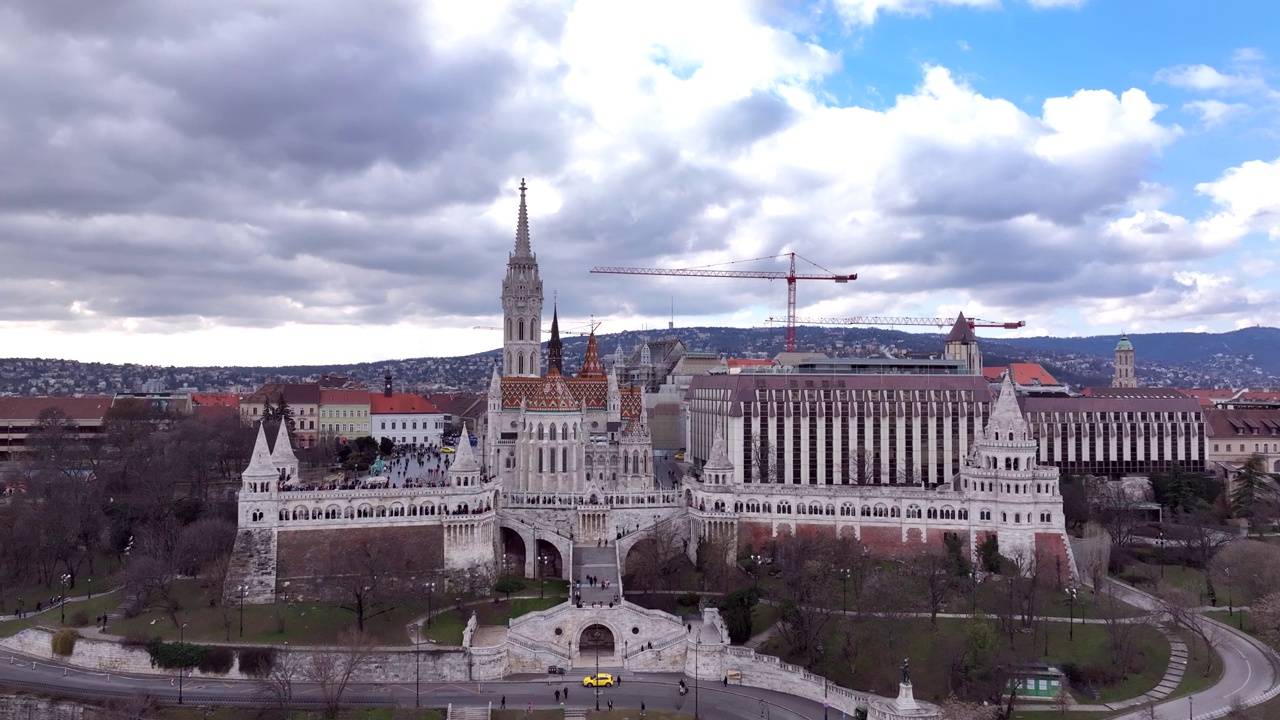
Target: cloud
(865, 12)
(1215, 112)
(250, 166)
(1250, 199)
(1206, 78)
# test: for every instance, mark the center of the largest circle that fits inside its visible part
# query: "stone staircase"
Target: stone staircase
(481, 712)
(253, 564)
(601, 562)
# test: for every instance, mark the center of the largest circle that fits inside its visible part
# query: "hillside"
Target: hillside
(1240, 358)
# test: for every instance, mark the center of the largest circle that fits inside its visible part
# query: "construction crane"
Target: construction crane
(874, 320)
(709, 271)
(574, 330)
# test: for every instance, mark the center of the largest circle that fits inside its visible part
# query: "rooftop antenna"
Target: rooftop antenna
(671, 325)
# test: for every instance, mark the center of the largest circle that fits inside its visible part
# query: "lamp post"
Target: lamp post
(755, 570)
(431, 592)
(597, 678)
(844, 584)
(241, 590)
(417, 660)
(1161, 540)
(697, 642)
(1071, 622)
(66, 580)
(90, 582)
(542, 576)
(1230, 604)
(182, 670)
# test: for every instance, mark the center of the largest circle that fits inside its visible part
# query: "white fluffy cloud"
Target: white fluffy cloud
(1249, 196)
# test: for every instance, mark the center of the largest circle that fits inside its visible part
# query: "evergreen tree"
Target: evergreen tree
(1246, 486)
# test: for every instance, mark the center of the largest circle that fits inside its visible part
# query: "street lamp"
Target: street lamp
(66, 580)
(542, 575)
(844, 582)
(182, 670)
(1161, 531)
(242, 590)
(417, 664)
(755, 570)
(1230, 604)
(597, 678)
(90, 581)
(431, 592)
(1071, 623)
(697, 642)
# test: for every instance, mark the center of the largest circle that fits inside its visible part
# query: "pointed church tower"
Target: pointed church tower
(282, 456)
(1125, 375)
(262, 474)
(555, 348)
(522, 305)
(719, 469)
(962, 344)
(591, 365)
(465, 470)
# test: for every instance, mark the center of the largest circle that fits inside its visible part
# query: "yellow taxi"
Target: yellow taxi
(598, 680)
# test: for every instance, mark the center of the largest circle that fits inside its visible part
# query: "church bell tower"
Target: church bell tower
(522, 305)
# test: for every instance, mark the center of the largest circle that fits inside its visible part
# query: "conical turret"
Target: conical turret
(464, 459)
(282, 456)
(260, 464)
(555, 348)
(591, 365)
(1007, 422)
(522, 227)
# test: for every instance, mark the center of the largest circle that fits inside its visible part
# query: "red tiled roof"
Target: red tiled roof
(335, 396)
(230, 400)
(1242, 423)
(90, 407)
(402, 403)
(1260, 395)
(993, 373)
(594, 391)
(1026, 374)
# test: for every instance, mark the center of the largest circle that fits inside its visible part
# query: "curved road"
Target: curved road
(657, 691)
(1249, 669)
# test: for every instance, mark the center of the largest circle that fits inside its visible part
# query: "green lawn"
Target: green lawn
(1240, 619)
(490, 613)
(1195, 680)
(763, 616)
(76, 612)
(299, 623)
(932, 654)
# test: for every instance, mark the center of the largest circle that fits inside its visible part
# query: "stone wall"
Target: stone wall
(34, 707)
(383, 665)
(317, 565)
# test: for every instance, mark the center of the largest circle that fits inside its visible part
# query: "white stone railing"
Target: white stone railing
(579, 501)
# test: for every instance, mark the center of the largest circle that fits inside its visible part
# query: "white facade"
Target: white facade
(420, 429)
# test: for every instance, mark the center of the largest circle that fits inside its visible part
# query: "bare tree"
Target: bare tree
(1249, 566)
(1266, 617)
(331, 670)
(937, 574)
(276, 687)
(1122, 630)
(810, 589)
(1062, 700)
(1095, 554)
(1181, 607)
(656, 560)
(1116, 508)
(956, 709)
(764, 460)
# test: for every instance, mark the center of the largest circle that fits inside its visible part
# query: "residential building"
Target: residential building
(344, 414)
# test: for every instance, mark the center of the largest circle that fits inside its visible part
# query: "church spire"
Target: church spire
(555, 348)
(522, 227)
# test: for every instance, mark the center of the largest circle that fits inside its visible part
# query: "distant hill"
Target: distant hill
(1241, 358)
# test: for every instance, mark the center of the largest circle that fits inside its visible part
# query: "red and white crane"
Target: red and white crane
(791, 276)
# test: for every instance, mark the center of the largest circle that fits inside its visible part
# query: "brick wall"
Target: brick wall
(320, 564)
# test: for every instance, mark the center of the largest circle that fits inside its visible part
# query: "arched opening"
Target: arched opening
(513, 552)
(550, 564)
(595, 638)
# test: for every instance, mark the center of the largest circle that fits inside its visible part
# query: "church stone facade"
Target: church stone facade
(565, 461)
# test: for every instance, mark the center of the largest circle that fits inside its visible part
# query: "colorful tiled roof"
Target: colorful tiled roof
(593, 391)
(591, 366)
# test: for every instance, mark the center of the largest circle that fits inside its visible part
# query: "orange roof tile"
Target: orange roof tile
(403, 403)
(231, 400)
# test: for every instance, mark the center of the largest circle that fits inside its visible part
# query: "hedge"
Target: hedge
(256, 662)
(174, 655)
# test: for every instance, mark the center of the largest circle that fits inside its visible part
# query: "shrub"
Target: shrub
(64, 642)
(79, 618)
(136, 640)
(174, 655)
(217, 659)
(1073, 672)
(508, 585)
(1103, 675)
(689, 599)
(256, 662)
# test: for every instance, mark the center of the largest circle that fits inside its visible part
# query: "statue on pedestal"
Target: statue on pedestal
(906, 671)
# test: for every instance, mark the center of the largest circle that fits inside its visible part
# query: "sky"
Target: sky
(270, 182)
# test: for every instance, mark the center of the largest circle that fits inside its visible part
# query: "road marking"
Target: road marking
(1247, 666)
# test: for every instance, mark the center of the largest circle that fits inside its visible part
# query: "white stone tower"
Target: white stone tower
(1124, 376)
(522, 305)
(962, 344)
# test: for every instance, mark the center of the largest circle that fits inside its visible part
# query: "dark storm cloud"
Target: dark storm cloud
(746, 121)
(215, 159)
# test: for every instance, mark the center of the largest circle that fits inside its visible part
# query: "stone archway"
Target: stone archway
(596, 638)
(512, 561)
(549, 562)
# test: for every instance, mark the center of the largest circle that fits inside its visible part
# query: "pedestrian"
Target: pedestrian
(557, 696)
(610, 706)
(566, 692)
(618, 679)
(503, 705)
(726, 681)
(641, 708)
(529, 708)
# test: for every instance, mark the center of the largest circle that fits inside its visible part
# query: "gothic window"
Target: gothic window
(348, 512)
(508, 371)
(866, 511)
(768, 507)
(300, 513)
(964, 514)
(257, 516)
(428, 509)
(365, 511)
(846, 509)
(413, 511)
(948, 512)
(913, 511)
(540, 430)
(564, 459)
(1017, 518)
(521, 326)
(588, 459)
(551, 434)
(381, 511)
(316, 513)
(881, 510)
(626, 463)
(932, 514)
(895, 511)
(800, 510)
(284, 515)
(564, 431)
(539, 459)
(815, 509)
(520, 362)
(1004, 517)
